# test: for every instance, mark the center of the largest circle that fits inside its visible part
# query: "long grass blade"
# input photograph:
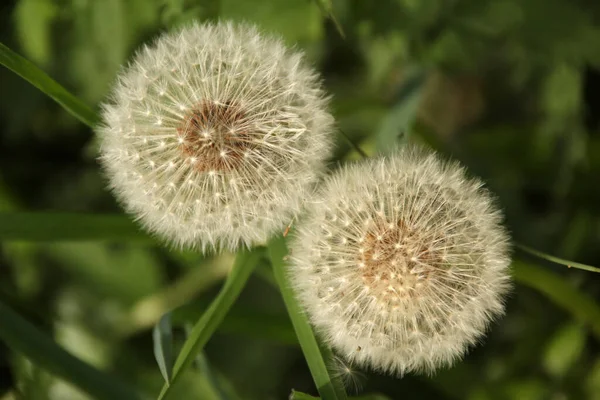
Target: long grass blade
(162, 337)
(52, 227)
(38, 78)
(326, 7)
(562, 261)
(243, 266)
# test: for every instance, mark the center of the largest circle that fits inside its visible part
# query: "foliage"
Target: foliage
(508, 87)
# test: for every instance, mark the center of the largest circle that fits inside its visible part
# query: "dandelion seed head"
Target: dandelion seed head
(214, 134)
(417, 275)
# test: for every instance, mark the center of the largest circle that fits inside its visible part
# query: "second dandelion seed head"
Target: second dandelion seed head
(402, 262)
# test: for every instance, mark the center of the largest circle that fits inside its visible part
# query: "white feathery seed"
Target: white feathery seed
(214, 134)
(350, 377)
(401, 262)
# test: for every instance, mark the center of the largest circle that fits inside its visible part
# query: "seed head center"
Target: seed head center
(215, 135)
(395, 261)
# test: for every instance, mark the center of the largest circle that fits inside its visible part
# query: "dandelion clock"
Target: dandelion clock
(214, 134)
(401, 262)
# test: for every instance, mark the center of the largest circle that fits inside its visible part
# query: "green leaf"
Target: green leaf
(570, 264)
(326, 386)
(33, 226)
(301, 396)
(564, 349)
(162, 336)
(400, 118)
(42, 81)
(23, 337)
(245, 263)
(583, 307)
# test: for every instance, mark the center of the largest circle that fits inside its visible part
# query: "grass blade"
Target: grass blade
(38, 78)
(41, 226)
(569, 264)
(326, 7)
(583, 307)
(353, 145)
(326, 386)
(162, 336)
(22, 336)
(209, 322)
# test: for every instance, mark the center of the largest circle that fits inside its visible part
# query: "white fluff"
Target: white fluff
(214, 135)
(402, 262)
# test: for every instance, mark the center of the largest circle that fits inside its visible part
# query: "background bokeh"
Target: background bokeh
(509, 87)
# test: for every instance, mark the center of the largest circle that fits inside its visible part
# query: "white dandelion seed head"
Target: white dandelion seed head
(401, 263)
(214, 135)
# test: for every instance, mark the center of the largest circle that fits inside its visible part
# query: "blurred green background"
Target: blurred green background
(509, 87)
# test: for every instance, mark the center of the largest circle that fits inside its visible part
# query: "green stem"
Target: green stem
(328, 389)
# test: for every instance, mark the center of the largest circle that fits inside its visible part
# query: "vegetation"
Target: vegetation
(92, 307)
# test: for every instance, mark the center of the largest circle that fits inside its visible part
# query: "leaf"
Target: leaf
(570, 264)
(583, 307)
(295, 395)
(400, 118)
(564, 349)
(245, 263)
(162, 336)
(34, 226)
(325, 385)
(42, 81)
(21, 336)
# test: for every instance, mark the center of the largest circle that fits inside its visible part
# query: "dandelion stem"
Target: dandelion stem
(328, 388)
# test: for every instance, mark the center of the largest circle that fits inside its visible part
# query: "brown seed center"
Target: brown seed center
(395, 260)
(215, 136)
